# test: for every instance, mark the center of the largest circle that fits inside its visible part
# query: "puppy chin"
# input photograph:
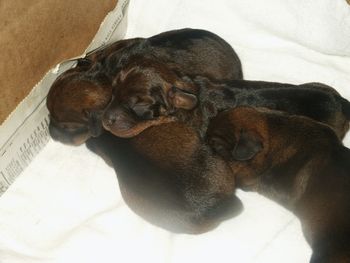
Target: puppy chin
(78, 140)
(132, 129)
(126, 131)
(66, 138)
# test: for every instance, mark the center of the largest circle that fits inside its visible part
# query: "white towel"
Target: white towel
(66, 207)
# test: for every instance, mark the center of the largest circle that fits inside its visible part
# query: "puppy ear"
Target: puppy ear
(246, 147)
(181, 99)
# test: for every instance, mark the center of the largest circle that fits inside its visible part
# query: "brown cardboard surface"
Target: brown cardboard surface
(35, 35)
(25, 131)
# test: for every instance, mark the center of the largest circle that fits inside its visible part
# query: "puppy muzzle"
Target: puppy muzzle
(125, 125)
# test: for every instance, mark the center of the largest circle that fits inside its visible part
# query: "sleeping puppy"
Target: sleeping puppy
(297, 162)
(169, 177)
(148, 94)
(74, 102)
(185, 51)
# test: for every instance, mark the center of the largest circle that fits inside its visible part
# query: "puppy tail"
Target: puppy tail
(345, 107)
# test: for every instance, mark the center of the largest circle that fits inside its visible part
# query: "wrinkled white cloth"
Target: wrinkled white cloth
(66, 206)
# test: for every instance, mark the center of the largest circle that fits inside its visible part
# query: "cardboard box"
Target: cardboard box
(63, 31)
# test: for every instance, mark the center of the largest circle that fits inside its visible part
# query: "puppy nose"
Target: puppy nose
(109, 118)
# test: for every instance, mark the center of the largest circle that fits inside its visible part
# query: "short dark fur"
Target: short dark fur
(195, 101)
(314, 100)
(76, 102)
(297, 162)
(168, 176)
(189, 51)
(149, 80)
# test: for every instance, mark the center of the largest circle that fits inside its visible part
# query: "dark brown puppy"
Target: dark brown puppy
(148, 94)
(74, 118)
(76, 102)
(297, 162)
(169, 177)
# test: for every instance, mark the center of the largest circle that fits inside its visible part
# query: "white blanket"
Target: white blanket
(66, 207)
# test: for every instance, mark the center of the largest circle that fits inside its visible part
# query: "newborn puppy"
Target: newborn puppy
(297, 162)
(185, 51)
(148, 94)
(76, 102)
(78, 97)
(314, 100)
(169, 177)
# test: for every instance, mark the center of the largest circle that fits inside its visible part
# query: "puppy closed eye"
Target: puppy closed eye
(143, 110)
(247, 146)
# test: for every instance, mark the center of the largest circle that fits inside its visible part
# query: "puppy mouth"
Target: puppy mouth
(67, 137)
(128, 129)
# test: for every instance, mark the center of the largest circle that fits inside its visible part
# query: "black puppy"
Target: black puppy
(297, 162)
(169, 177)
(77, 99)
(185, 51)
(314, 100)
(148, 94)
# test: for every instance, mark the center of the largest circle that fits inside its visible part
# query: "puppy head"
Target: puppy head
(146, 93)
(237, 134)
(76, 103)
(241, 137)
